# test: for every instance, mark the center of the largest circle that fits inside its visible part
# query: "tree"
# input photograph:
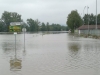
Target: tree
(58, 27)
(92, 19)
(74, 20)
(85, 19)
(89, 18)
(15, 17)
(9, 17)
(98, 19)
(2, 26)
(67, 29)
(37, 24)
(47, 26)
(25, 25)
(64, 28)
(33, 24)
(43, 27)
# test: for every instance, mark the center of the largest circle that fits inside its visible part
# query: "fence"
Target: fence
(91, 32)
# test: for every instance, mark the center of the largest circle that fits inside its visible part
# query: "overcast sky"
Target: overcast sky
(52, 11)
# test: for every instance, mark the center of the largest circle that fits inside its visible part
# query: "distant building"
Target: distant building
(89, 29)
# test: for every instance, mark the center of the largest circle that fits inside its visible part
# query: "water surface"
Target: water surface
(49, 54)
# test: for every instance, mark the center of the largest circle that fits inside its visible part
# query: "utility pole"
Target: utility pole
(83, 14)
(96, 14)
(15, 33)
(88, 19)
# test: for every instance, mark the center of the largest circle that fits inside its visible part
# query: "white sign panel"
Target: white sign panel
(24, 29)
(15, 33)
(15, 23)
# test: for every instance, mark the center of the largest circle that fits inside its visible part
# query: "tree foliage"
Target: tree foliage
(9, 17)
(52, 27)
(2, 26)
(98, 19)
(47, 26)
(74, 20)
(33, 25)
(91, 18)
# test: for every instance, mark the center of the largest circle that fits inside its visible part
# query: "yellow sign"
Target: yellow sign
(16, 28)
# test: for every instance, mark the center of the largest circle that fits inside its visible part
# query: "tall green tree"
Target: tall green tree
(37, 23)
(9, 17)
(43, 27)
(67, 29)
(74, 20)
(58, 27)
(92, 19)
(33, 24)
(25, 25)
(47, 26)
(2, 26)
(98, 19)
(86, 19)
(64, 28)
(89, 19)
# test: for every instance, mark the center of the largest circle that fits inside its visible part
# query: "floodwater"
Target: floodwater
(49, 54)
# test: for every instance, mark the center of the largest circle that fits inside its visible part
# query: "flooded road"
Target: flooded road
(49, 54)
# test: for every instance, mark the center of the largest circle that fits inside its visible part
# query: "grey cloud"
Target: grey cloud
(53, 11)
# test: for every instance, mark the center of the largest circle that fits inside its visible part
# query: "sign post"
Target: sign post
(15, 64)
(24, 30)
(15, 33)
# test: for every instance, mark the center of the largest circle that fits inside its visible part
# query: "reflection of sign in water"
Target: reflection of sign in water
(15, 64)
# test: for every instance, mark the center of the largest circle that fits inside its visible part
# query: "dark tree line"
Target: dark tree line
(36, 25)
(91, 18)
(31, 25)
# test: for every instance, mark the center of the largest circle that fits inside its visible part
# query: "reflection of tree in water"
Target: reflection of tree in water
(8, 46)
(74, 47)
(74, 55)
(9, 50)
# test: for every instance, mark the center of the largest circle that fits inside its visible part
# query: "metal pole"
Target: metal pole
(96, 14)
(83, 14)
(15, 46)
(88, 19)
(24, 38)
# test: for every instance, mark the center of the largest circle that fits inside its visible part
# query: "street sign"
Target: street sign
(24, 29)
(15, 27)
(15, 33)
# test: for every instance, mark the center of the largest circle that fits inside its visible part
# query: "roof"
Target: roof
(85, 27)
